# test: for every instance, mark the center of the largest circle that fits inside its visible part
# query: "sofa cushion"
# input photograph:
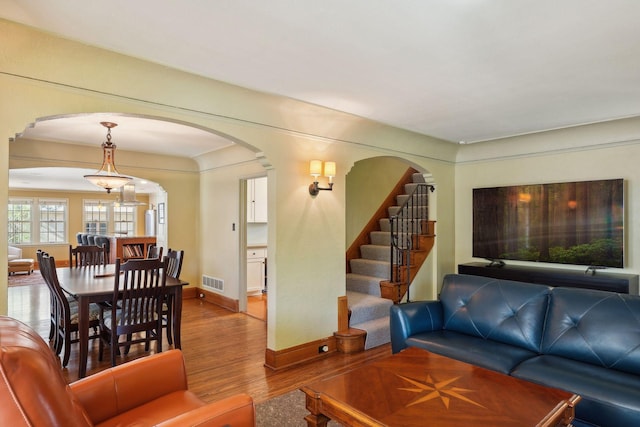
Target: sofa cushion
(609, 397)
(500, 310)
(597, 327)
(488, 354)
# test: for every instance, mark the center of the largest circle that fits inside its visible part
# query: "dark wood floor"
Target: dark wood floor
(224, 351)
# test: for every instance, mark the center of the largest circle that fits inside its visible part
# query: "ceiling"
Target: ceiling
(461, 70)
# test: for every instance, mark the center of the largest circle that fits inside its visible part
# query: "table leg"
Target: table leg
(83, 335)
(177, 316)
(312, 403)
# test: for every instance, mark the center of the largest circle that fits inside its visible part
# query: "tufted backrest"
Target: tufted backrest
(33, 391)
(500, 310)
(597, 327)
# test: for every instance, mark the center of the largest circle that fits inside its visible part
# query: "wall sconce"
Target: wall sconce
(315, 170)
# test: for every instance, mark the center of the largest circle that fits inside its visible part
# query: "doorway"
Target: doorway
(255, 248)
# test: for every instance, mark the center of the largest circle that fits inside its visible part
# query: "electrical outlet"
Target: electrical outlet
(323, 348)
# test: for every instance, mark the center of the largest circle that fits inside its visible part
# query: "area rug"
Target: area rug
(286, 410)
(21, 279)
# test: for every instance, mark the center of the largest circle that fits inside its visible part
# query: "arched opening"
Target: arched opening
(167, 159)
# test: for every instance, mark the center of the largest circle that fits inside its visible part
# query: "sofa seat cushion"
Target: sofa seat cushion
(164, 408)
(609, 397)
(488, 354)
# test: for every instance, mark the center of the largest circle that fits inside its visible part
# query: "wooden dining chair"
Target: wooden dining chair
(136, 306)
(52, 302)
(174, 267)
(154, 251)
(85, 256)
(64, 310)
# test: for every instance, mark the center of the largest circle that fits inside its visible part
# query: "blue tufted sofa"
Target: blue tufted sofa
(579, 340)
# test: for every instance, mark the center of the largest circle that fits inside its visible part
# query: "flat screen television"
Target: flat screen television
(579, 223)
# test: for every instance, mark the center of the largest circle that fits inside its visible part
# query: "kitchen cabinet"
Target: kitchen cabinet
(257, 199)
(256, 263)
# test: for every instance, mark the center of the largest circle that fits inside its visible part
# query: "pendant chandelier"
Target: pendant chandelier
(108, 177)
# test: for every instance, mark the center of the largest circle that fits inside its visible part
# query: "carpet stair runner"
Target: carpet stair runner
(369, 311)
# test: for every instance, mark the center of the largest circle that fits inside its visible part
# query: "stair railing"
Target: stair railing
(406, 225)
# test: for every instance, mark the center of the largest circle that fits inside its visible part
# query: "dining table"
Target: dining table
(95, 284)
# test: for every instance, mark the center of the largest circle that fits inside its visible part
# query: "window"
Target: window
(105, 218)
(96, 217)
(53, 221)
(124, 219)
(46, 225)
(19, 221)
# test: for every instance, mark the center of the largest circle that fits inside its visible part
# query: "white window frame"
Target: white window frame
(126, 226)
(102, 208)
(115, 224)
(36, 221)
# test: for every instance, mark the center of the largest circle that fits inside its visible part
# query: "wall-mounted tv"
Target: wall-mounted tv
(578, 223)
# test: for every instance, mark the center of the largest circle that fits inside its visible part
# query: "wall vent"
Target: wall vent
(213, 283)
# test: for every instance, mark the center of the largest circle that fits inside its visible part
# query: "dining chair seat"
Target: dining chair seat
(94, 313)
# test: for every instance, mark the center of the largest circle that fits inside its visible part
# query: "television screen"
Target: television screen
(568, 223)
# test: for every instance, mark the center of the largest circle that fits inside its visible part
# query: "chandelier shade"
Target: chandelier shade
(108, 177)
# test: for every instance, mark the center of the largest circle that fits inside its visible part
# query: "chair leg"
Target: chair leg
(114, 347)
(128, 346)
(170, 320)
(67, 349)
(52, 330)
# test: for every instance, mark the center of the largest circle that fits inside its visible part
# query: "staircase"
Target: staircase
(372, 285)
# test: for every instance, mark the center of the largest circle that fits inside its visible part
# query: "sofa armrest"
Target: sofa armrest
(412, 318)
(236, 411)
(127, 386)
(14, 253)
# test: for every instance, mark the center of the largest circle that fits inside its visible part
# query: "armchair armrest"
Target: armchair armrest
(237, 411)
(412, 318)
(14, 253)
(114, 391)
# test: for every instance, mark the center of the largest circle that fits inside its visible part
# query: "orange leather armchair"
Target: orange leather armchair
(145, 392)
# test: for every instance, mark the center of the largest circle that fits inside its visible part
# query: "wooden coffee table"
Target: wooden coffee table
(417, 388)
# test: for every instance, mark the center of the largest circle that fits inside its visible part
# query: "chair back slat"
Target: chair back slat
(154, 251)
(174, 263)
(139, 291)
(87, 256)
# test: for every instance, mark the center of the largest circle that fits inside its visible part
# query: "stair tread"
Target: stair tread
(369, 261)
(378, 332)
(364, 276)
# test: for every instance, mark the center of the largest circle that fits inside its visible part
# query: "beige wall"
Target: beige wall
(43, 76)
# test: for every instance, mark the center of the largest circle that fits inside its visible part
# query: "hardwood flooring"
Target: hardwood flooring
(257, 306)
(223, 351)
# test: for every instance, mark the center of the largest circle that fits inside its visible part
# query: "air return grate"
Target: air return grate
(213, 283)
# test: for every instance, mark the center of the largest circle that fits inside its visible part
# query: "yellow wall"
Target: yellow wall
(42, 75)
